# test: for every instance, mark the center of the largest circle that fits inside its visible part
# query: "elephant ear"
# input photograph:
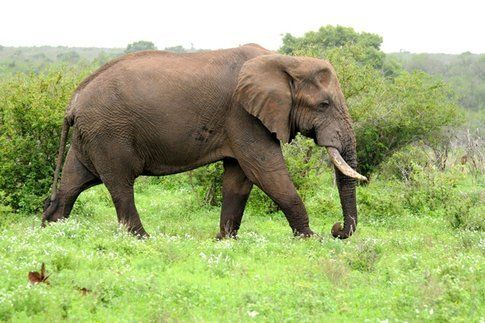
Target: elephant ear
(264, 90)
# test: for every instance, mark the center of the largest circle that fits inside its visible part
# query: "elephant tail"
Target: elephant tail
(65, 131)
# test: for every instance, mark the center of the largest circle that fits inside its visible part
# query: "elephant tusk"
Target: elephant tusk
(342, 166)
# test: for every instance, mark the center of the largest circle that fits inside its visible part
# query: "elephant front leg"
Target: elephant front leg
(279, 187)
(268, 171)
(235, 192)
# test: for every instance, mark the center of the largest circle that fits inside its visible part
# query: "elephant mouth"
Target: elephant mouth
(342, 165)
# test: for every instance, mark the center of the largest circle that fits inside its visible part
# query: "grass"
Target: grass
(407, 267)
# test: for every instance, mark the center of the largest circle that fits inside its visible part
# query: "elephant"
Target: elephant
(155, 113)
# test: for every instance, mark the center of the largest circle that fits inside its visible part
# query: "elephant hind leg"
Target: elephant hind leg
(235, 192)
(124, 201)
(118, 171)
(75, 179)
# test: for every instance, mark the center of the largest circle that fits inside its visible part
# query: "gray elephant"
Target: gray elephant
(160, 113)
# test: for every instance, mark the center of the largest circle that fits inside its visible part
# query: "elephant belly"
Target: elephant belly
(173, 148)
(162, 167)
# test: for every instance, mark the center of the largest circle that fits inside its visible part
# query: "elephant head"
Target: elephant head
(300, 94)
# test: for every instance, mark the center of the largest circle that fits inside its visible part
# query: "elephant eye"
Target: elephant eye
(323, 105)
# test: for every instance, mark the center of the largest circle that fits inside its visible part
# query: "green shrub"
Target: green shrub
(432, 192)
(305, 162)
(207, 182)
(365, 257)
(401, 164)
(381, 199)
(31, 112)
(467, 212)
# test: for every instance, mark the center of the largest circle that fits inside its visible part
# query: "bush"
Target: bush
(467, 212)
(432, 192)
(381, 199)
(31, 112)
(402, 163)
(305, 162)
(207, 182)
(427, 191)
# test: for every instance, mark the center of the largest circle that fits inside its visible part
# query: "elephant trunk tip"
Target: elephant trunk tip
(339, 232)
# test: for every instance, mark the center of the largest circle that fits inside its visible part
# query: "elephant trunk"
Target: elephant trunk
(346, 181)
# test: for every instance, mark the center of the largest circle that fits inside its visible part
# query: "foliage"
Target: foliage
(176, 49)
(31, 112)
(414, 107)
(305, 163)
(464, 73)
(409, 184)
(182, 49)
(207, 182)
(103, 58)
(400, 165)
(315, 43)
(139, 46)
(474, 151)
(69, 57)
(38, 59)
(439, 194)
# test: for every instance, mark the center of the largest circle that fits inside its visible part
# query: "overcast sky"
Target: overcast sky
(412, 25)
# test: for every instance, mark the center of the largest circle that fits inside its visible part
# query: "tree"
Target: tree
(69, 57)
(103, 57)
(176, 49)
(465, 73)
(139, 46)
(365, 46)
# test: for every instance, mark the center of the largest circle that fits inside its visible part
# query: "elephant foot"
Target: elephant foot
(141, 235)
(225, 235)
(139, 232)
(305, 233)
(45, 222)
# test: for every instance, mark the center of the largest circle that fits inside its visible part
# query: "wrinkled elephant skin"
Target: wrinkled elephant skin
(159, 113)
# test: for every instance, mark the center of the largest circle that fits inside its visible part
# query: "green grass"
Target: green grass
(407, 267)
